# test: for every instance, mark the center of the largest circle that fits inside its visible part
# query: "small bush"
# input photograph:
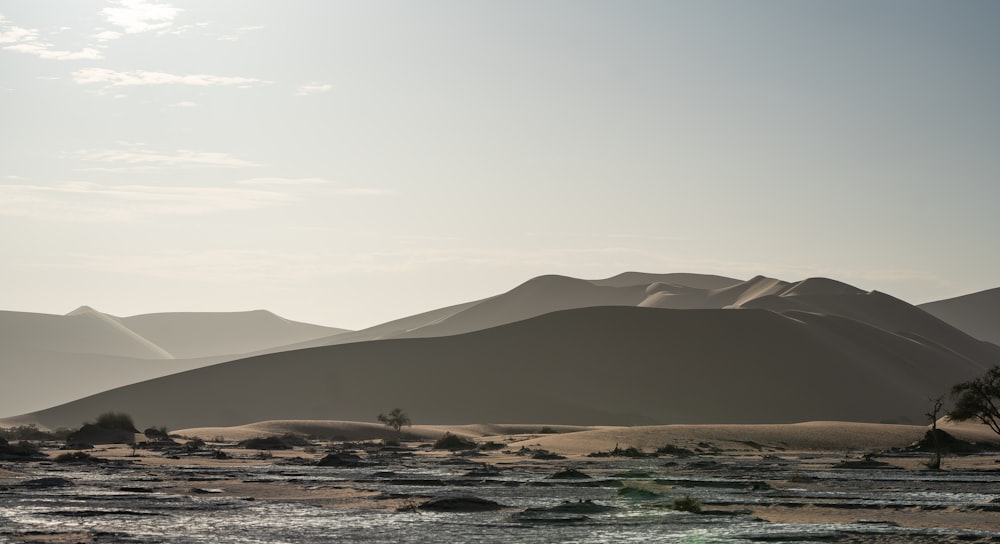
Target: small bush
(116, 420)
(76, 457)
(283, 442)
(157, 433)
(453, 443)
(687, 503)
(630, 452)
(22, 451)
(546, 455)
(676, 451)
(32, 432)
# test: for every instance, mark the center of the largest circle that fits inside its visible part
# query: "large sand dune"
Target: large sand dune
(607, 365)
(978, 314)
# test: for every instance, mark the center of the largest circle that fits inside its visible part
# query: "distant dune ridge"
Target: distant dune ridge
(634, 349)
(53, 358)
(760, 351)
(978, 314)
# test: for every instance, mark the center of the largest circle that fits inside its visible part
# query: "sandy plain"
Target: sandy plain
(809, 482)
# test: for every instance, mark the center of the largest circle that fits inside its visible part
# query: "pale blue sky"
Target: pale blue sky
(349, 163)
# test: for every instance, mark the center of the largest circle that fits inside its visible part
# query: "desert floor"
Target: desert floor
(815, 482)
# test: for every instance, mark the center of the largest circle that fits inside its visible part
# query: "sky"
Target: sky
(348, 163)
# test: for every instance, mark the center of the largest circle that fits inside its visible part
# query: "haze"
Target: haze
(350, 163)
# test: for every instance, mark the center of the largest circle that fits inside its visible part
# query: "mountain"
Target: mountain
(978, 314)
(598, 365)
(48, 359)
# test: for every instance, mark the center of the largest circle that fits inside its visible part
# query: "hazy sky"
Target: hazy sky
(346, 163)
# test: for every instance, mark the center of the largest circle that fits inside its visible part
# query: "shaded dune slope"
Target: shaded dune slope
(604, 366)
(978, 314)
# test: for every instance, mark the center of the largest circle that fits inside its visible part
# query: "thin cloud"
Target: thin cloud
(331, 187)
(208, 266)
(275, 181)
(185, 104)
(26, 40)
(137, 159)
(90, 202)
(107, 35)
(313, 88)
(239, 33)
(47, 51)
(15, 34)
(136, 16)
(363, 191)
(112, 78)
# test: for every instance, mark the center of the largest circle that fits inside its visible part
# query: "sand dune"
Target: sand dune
(699, 281)
(82, 331)
(535, 297)
(607, 365)
(50, 359)
(205, 334)
(823, 296)
(978, 314)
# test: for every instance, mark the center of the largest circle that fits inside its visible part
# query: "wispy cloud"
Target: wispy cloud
(26, 40)
(112, 78)
(134, 159)
(90, 202)
(239, 33)
(274, 181)
(184, 104)
(47, 51)
(208, 266)
(136, 16)
(107, 35)
(328, 187)
(15, 34)
(313, 88)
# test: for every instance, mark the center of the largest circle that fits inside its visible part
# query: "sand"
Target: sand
(580, 440)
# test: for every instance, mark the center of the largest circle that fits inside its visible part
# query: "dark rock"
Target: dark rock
(569, 474)
(460, 504)
(44, 483)
(340, 460)
(579, 507)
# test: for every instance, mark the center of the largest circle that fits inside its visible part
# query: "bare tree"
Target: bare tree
(979, 399)
(396, 419)
(935, 462)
